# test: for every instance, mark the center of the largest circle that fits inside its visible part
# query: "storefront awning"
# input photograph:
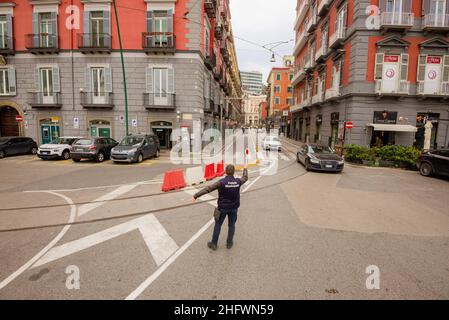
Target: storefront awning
(393, 127)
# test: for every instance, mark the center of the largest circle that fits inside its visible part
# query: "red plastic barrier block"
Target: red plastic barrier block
(209, 172)
(220, 169)
(173, 180)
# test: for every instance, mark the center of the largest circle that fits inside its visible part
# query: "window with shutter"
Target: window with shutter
(12, 81)
(422, 67)
(446, 69)
(56, 80)
(404, 67)
(108, 79)
(379, 66)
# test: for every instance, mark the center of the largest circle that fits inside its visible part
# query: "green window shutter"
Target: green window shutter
(379, 66)
(404, 67)
(56, 80)
(422, 61)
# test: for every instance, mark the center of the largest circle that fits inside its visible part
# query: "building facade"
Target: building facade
(381, 64)
(252, 82)
(280, 97)
(61, 70)
(251, 107)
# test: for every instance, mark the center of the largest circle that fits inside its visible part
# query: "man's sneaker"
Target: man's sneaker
(212, 246)
(229, 245)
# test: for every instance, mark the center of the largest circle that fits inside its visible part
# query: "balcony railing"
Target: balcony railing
(436, 21)
(318, 98)
(209, 105)
(158, 42)
(218, 32)
(45, 100)
(301, 12)
(321, 53)
(159, 101)
(337, 38)
(332, 93)
(210, 61)
(311, 23)
(6, 45)
(210, 6)
(92, 100)
(300, 42)
(442, 90)
(42, 43)
(323, 6)
(397, 19)
(94, 42)
(403, 88)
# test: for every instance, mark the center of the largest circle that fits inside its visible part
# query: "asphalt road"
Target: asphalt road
(299, 235)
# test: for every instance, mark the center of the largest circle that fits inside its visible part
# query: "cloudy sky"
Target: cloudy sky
(262, 22)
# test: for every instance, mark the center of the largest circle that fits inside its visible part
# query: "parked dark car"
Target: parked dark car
(136, 148)
(434, 162)
(320, 158)
(10, 146)
(98, 149)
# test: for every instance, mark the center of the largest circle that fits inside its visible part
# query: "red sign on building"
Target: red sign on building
(391, 59)
(19, 118)
(349, 125)
(433, 60)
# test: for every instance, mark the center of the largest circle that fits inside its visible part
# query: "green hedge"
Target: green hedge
(401, 156)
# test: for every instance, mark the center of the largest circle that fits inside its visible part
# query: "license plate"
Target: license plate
(45, 152)
(79, 150)
(329, 166)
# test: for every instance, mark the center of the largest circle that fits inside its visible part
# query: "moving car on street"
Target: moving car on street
(57, 149)
(97, 149)
(10, 146)
(136, 148)
(271, 143)
(435, 162)
(320, 158)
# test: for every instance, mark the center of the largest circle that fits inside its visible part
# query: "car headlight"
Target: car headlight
(314, 160)
(341, 162)
(132, 151)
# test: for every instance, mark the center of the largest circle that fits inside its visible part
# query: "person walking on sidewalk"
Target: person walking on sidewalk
(228, 203)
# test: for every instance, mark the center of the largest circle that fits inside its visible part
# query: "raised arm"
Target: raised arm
(244, 178)
(207, 190)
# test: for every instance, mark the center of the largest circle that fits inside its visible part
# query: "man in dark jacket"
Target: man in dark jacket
(228, 203)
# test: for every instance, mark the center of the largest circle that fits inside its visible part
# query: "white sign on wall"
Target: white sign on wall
(134, 123)
(76, 123)
(433, 74)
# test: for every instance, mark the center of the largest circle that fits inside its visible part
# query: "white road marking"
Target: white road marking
(86, 208)
(158, 241)
(284, 157)
(147, 283)
(22, 269)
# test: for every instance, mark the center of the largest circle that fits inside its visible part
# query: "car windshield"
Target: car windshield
(62, 141)
(131, 141)
(320, 149)
(3, 140)
(84, 142)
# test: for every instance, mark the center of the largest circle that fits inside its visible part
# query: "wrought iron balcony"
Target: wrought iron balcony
(321, 53)
(209, 105)
(100, 101)
(210, 6)
(439, 92)
(159, 101)
(396, 20)
(332, 93)
(158, 42)
(436, 22)
(210, 61)
(323, 6)
(219, 32)
(337, 38)
(42, 43)
(403, 88)
(6, 45)
(44, 100)
(94, 42)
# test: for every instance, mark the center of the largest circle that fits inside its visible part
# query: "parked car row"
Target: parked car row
(133, 148)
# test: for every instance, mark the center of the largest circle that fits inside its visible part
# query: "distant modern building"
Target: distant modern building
(252, 82)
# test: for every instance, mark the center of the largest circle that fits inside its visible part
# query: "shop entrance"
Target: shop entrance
(382, 138)
(49, 131)
(9, 127)
(163, 131)
(100, 128)
(421, 120)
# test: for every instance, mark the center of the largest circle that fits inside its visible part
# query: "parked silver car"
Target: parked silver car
(136, 148)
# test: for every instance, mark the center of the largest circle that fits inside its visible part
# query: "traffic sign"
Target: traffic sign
(19, 118)
(349, 125)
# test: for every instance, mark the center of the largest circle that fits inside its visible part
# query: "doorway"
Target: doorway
(9, 127)
(49, 131)
(163, 130)
(100, 128)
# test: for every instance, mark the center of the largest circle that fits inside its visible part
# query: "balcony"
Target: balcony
(42, 43)
(318, 98)
(159, 101)
(300, 42)
(436, 22)
(224, 50)
(94, 42)
(158, 42)
(321, 53)
(440, 92)
(89, 100)
(301, 13)
(209, 105)
(337, 38)
(323, 6)
(332, 93)
(402, 89)
(210, 61)
(298, 75)
(41, 100)
(395, 20)
(6, 45)
(218, 32)
(210, 6)
(311, 23)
